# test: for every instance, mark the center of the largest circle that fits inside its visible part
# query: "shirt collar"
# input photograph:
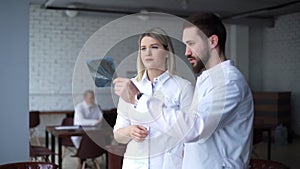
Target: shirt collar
(86, 105)
(161, 78)
(215, 68)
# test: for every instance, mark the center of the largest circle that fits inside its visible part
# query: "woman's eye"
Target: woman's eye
(154, 47)
(142, 49)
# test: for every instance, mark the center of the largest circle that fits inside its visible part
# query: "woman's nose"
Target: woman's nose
(148, 52)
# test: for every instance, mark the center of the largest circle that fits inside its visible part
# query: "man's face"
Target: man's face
(196, 51)
(89, 99)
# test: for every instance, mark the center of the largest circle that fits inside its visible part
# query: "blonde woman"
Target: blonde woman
(148, 148)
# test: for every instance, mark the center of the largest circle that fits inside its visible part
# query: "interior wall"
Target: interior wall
(14, 127)
(55, 44)
(275, 60)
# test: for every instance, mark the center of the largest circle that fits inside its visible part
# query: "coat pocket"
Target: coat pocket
(233, 164)
(172, 160)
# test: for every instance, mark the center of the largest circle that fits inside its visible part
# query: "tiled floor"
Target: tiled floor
(288, 154)
(70, 162)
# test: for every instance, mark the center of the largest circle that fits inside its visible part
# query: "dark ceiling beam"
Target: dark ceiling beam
(251, 21)
(241, 21)
(261, 10)
(102, 10)
(127, 11)
(245, 18)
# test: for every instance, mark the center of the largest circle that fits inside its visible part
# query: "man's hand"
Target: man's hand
(126, 89)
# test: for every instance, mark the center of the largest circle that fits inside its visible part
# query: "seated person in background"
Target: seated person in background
(87, 113)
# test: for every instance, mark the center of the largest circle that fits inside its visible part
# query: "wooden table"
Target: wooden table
(55, 133)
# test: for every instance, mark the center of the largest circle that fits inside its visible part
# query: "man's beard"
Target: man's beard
(200, 66)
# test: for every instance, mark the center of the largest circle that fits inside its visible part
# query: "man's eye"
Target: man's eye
(190, 44)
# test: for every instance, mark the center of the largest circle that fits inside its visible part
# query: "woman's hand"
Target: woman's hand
(138, 133)
(125, 88)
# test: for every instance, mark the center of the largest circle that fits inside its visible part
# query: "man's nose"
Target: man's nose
(188, 51)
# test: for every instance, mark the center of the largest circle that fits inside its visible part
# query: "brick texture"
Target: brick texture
(275, 60)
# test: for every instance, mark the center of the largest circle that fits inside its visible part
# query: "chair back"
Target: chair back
(115, 156)
(257, 136)
(66, 141)
(39, 151)
(34, 119)
(266, 164)
(88, 149)
(29, 165)
(68, 121)
(110, 116)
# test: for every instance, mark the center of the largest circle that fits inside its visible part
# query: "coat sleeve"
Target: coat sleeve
(122, 118)
(203, 117)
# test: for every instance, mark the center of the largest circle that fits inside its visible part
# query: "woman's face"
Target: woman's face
(153, 53)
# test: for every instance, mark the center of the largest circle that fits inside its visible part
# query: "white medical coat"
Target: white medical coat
(218, 127)
(156, 152)
(86, 115)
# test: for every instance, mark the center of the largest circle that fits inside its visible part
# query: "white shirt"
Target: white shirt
(218, 127)
(156, 152)
(86, 115)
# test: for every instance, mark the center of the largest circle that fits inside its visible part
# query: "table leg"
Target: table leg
(59, 153)
(53, 148)
(269, 144)
(47, 138)
(106, 158)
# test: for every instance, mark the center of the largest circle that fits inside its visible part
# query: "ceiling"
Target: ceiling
(227, 9)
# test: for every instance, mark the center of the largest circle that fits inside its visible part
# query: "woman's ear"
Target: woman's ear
(214, 40)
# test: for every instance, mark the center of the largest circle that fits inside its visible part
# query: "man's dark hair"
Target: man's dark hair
(209, 24)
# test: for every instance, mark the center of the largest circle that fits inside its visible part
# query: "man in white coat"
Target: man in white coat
(87, 113)
(217, 130)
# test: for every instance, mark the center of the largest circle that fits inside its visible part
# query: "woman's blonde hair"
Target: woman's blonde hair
(161, 36)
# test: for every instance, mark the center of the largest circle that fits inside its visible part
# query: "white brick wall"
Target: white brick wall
(275, 60)
(55, 41)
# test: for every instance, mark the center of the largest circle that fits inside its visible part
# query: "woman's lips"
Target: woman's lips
(148, 59)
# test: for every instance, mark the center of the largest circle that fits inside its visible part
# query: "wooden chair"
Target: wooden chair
(115, 156)
(266, 164)
(110, 116)
(29, 165)
(66, 141)
(40, 152)
(88, 149)
(34, 121)
(257, 138)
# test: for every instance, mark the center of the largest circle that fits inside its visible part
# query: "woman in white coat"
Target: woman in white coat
(156, 77)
